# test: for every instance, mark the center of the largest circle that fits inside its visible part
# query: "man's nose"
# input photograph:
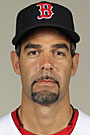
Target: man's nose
(47, 63)
(46, 66)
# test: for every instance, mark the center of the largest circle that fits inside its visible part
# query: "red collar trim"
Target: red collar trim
(67, 131)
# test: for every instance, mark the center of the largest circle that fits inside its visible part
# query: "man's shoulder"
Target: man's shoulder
(5, 118)
(84, 120)
(83, 124)
(7, 126)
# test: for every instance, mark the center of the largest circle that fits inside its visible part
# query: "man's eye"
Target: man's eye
(59, 53)
(31, 53)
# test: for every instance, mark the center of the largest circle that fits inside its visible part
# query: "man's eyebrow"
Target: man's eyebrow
(36, 46)
(61, 45)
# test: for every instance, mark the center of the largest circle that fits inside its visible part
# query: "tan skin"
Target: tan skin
(51, 118)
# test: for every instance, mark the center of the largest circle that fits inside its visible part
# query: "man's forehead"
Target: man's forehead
(46, 31)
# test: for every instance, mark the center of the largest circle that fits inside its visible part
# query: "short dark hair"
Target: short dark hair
(72, 49)
(18, 50)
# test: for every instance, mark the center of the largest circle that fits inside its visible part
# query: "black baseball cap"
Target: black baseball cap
(43, 14)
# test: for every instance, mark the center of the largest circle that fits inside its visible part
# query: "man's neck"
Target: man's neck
(44, 120)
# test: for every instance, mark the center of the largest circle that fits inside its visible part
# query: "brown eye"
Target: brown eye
(31, 53)
(59, 53)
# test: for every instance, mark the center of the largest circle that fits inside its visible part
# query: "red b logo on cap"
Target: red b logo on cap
(45, 11)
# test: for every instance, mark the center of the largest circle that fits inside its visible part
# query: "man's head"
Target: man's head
(45, 57)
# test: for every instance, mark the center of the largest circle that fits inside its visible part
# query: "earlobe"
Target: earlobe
(75, 64)
(15, 62)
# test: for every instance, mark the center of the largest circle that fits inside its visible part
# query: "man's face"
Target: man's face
(46, 66)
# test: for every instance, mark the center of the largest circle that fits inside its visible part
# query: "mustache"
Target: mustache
(46, 77)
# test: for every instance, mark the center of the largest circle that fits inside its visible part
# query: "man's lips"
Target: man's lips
(46, 81)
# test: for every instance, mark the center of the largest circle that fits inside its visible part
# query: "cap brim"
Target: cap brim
(73, 36)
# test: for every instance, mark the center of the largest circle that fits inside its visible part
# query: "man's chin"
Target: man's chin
(44, 97)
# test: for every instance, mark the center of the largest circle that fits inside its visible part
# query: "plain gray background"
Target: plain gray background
(10, 84)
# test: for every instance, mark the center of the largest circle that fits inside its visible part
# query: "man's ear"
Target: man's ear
(75, 64)
(15, 62)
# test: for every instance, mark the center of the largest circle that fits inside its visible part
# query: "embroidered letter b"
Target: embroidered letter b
(45, 11)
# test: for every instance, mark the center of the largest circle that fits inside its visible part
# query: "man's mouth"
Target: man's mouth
(46, 81)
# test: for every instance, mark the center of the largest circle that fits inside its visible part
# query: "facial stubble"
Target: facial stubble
(45, 97)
